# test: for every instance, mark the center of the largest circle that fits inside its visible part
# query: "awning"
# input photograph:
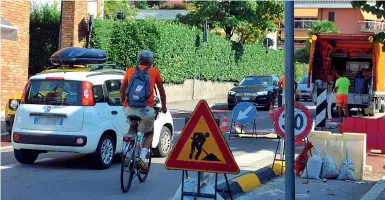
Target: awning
(8, 32)
(306, 12)
(369, 16)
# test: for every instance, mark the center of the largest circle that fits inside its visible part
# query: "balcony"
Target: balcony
(299, 25)
(371, 26)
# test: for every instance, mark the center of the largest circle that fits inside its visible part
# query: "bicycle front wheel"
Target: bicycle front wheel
(143, 177)
(127, 171)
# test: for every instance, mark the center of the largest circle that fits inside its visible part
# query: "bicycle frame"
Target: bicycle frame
(130, 141)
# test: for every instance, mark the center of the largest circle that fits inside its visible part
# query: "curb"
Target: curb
(251, 180)
(377, 192)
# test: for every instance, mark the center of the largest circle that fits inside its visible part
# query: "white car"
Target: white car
(83, 116)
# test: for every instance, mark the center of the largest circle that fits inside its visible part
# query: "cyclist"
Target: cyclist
(137, 93)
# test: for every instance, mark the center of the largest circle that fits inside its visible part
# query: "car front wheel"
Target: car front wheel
(25, 156)
(164, 144)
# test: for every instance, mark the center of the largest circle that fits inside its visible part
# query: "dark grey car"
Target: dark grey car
(259, 90)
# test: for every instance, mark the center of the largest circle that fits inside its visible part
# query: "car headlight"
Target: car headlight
(232, 93)
(262, 93)
(13, 104)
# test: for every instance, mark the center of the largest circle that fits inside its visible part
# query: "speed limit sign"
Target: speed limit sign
(303, 121)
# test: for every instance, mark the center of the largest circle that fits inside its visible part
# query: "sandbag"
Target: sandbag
(314, 166)
(347, 169)
(329, 168)
(302, 158)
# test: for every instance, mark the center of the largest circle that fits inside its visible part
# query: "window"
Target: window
(304, 80)
(113, 92)
(55, 92)
(275, 80)
(256, 81)
(98, 93)
(331, 16)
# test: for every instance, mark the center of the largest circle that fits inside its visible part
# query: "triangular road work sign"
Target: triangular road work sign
(201, 146)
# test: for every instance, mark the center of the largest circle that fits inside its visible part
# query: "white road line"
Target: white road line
(4, 133)
(250, 158)
(6, 147)
(18, 164)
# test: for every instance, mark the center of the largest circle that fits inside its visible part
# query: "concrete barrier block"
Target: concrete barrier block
(336, 144)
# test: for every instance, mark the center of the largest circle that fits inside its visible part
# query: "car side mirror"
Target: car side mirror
(235, 84)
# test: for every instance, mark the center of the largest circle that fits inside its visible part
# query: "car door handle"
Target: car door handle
(114, 112)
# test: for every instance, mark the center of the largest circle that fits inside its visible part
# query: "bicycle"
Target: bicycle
(132, 144)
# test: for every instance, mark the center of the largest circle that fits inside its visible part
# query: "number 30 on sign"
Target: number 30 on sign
(303, 121)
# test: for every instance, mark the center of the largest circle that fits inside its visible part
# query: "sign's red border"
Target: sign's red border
(308, 126)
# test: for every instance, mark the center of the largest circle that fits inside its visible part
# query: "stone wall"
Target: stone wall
(197, 89)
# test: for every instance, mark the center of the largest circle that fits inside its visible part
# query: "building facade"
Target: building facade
(348, 20)
(14, 48)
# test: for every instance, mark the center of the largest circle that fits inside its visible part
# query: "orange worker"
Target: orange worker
(281, 85)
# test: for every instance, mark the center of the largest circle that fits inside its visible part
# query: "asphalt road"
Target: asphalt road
(69, 176)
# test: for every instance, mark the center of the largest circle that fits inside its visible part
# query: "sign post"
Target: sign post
(201, 147)
(289, 100)
(303, 123)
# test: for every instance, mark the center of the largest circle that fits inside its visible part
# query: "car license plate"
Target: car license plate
(245, 98)
(48, 121)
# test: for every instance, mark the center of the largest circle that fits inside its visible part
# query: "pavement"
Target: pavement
(314, 190)
(69, 176)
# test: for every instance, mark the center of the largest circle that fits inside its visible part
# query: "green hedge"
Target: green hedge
(44, 36)
(176, 54)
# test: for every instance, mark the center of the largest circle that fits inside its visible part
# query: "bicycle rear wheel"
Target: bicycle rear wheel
(127, 171)
(143, 177)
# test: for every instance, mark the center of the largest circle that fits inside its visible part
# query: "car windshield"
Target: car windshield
(256, 81)
(54, 92)
(304, 80)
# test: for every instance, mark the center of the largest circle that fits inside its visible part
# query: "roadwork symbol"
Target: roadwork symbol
(198, 140)
(201, 146)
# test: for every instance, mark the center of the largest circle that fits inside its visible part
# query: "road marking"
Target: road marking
(251, 158)
(18, 164)
(6, 149)
(4, 133)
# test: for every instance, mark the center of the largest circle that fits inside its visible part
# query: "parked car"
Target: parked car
(303, 92)
(80, 112)
(259, 90)
(10, 111)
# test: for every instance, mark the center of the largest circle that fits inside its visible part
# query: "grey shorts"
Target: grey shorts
(146, 114)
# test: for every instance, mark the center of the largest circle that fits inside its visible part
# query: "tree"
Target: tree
(377, 9)
(112, 8)
(302, 55)
(322, 27)
(44, 35)
(245, 18)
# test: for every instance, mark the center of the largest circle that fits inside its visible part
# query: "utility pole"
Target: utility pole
(289, 100)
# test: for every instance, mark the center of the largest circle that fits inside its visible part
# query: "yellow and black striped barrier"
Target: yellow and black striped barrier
(251, 180)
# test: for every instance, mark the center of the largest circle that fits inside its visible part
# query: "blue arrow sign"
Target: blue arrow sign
(244, 113)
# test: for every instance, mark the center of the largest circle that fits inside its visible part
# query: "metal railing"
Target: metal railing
(299, 25)
(371, 26)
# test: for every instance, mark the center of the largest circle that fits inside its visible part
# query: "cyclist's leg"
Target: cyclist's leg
(146, 126)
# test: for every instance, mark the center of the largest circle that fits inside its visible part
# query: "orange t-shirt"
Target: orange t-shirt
(155, 78)
(282, 80)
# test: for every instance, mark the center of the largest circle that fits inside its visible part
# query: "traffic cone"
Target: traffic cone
(225, 125)
(271, 112)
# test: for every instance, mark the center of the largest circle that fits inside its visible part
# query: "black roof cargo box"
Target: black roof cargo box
(78, 56)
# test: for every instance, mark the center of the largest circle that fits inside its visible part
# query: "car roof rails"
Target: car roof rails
(115, 72)
(106, 66)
